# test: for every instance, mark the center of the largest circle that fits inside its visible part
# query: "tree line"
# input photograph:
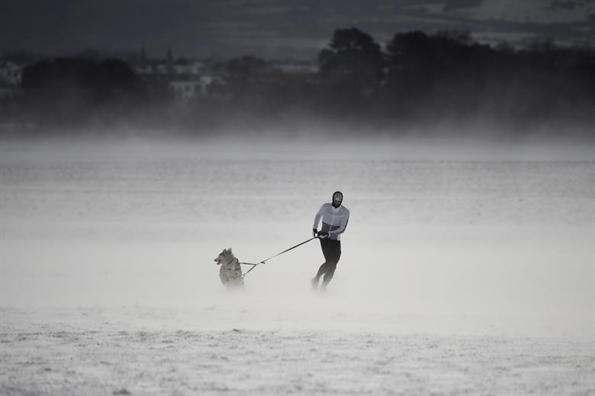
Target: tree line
(416, 78)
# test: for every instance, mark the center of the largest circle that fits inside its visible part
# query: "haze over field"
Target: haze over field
(459, 258)
(138, 139)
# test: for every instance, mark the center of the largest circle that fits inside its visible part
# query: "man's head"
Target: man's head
(337, 199)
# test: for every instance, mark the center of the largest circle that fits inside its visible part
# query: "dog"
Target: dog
(230, 272)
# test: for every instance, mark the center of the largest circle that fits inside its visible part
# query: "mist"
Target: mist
(468, 264)
(454, 244)
(437, 226)
(469, 173)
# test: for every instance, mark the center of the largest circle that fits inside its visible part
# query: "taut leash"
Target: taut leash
(272, 257)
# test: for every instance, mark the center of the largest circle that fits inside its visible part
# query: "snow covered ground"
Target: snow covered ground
(467, 268)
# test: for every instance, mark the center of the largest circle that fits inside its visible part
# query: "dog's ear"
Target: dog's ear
(229, 250)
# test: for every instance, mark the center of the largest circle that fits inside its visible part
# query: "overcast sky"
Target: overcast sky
(275, 28)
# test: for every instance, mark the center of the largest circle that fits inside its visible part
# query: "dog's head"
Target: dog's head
(225, 256)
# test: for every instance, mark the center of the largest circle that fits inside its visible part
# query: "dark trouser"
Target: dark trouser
(332, 252)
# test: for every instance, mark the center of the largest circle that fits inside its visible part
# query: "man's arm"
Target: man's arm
(317, 218)
(342, 224)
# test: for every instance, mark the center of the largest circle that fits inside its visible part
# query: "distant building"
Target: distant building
(186, 79)
(11, 73)
(11, 76)
(185, 90)
(296, 67)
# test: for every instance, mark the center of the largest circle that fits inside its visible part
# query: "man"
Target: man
(334, 218)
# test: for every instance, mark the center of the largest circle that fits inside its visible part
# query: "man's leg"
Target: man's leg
(327, 251)
(328, 275)
(334, 254)
(321, 271)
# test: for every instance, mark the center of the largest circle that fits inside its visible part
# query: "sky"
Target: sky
(276, 29)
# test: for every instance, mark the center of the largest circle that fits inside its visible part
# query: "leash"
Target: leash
(254, 265)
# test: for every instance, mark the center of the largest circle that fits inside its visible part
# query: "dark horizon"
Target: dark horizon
(276, 30)
(358, 85)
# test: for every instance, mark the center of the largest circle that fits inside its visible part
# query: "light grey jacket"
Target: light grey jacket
(334, 220)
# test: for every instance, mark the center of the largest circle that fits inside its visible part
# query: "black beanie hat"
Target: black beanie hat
(338, 196)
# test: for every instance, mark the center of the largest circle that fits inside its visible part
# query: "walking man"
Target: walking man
(334, 218)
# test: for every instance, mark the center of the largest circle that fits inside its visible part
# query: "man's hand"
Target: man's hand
(322, 235)
(315, 232)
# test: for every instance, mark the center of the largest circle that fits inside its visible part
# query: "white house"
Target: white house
(11, 73)
(185, 90)
(10, 79)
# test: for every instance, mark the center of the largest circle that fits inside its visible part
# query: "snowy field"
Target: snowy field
(467, 269)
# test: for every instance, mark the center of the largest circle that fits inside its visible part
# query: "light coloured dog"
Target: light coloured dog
(230, 272)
